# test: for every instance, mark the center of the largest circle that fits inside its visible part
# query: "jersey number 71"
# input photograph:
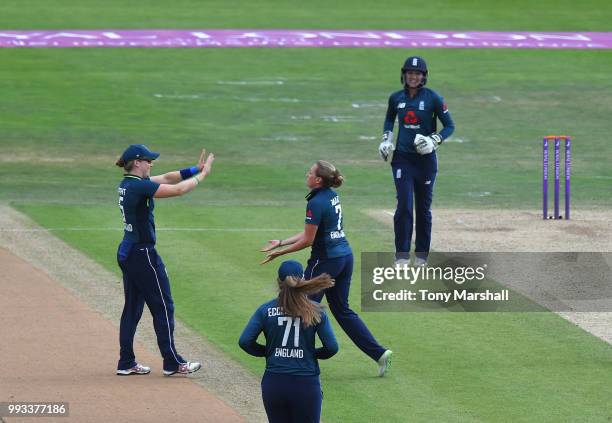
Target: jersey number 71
(296, 334)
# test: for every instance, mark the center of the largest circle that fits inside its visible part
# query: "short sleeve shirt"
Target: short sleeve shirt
(136, 205)
(325, 211)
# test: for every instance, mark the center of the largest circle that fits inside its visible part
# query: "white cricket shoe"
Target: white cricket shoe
(138, 369)
(384, 362)
(402, 262)
(185, 368)
(420, 262)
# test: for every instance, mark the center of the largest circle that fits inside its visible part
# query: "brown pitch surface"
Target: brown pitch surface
(56, 348)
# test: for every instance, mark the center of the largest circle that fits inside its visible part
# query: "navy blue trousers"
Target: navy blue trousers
(291, 399)
(341, 269)
(414, 184)
(145, 281)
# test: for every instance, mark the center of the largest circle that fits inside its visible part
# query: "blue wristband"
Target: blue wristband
(189, 172)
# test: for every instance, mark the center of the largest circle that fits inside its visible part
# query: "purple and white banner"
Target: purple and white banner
(303, 38)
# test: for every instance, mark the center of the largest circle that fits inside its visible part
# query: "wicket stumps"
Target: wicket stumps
(556, 139)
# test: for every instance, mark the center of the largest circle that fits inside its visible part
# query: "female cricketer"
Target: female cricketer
(414, 162)
(290, 387)
(144, 275)
(331, 254)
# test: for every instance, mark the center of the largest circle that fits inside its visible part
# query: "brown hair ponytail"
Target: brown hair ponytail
(127, 166)
(330, 175)
(293, 297)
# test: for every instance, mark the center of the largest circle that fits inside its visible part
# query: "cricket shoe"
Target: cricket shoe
(185, 368)
(402, 263)
(420, 262)
(138, 369)
(384, 362)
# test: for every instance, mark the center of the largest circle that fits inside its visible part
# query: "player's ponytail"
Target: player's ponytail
(127, 166)
(329, 174)
(293, 297)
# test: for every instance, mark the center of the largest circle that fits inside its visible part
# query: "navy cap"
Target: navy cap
(290, 268)
(138, 151)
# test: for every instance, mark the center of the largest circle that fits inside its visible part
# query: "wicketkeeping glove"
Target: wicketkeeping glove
(427, 145)
(386, 147)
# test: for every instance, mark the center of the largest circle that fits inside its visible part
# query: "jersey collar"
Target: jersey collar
(407, 92)
(129, 175)
(312, 193)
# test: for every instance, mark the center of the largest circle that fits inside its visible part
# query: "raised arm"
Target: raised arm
(166, 190)
(173, 177)
(177, 176)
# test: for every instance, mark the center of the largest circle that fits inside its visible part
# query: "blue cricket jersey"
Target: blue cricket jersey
(416, 115)
(290, 347)
(136, 205)
(325, 211)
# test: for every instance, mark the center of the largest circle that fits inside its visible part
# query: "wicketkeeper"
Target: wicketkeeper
(414, 161)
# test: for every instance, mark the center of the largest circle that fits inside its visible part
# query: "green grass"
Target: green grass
(72, 108)
(563, 15)
(452, 367)
(65, 115)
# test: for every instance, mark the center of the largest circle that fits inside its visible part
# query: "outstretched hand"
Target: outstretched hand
(272, 244)
(202, 160)
(208, 164)
(271, 256)
(205, 163)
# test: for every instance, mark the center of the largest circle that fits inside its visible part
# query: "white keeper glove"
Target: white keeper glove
(386, 147)
(427, 145)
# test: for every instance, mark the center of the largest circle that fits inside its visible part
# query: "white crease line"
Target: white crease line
(157, 229)
(285, 138)
(28, 230)
(251, 82)
(365, 105)
(339, 118)
(271, 99)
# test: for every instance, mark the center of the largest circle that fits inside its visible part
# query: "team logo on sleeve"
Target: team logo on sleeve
(444, 108)
(308, 214)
